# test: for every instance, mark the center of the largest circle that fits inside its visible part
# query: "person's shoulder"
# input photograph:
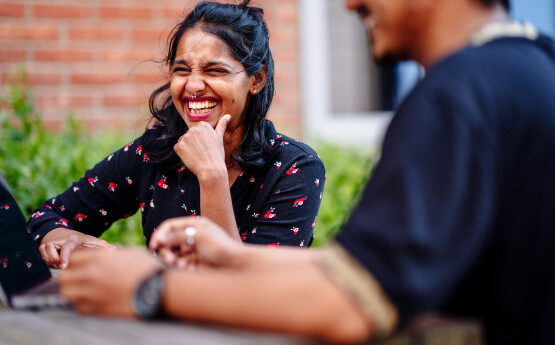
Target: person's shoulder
(283, 145)
(137, 144)
(155, 130)
(504, 54)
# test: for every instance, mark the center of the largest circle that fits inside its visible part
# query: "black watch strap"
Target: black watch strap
(147, 301)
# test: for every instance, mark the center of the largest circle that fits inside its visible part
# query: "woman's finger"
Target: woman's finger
(66, 250)
(161, 237)
(52, 254)
(167, 256)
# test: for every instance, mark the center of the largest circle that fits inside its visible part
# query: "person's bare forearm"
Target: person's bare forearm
(58, 234)
(289, 295)
(259, 257)
(215, 202)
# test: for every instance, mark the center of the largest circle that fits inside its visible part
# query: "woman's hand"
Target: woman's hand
(58, 244)
(201, 148)
(209, 246)
(104, 282)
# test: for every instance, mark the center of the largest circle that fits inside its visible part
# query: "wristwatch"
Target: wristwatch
(147, 301)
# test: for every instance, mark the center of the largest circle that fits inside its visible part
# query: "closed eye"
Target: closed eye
(216, 71)
(181, 70)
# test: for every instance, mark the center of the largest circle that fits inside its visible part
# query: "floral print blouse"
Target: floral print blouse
(276, 204)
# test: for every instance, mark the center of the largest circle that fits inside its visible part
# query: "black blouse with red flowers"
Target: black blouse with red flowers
(276, 204)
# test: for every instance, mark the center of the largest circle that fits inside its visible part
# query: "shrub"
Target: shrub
(347, 170)
(38, 163)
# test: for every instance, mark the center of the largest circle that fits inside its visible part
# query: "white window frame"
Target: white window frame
(318, 118)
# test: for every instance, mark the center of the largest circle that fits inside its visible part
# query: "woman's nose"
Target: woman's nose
(195, 83)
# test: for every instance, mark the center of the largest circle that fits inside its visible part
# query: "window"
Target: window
(346, 97)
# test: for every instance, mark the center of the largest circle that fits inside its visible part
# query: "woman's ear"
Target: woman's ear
(258, 81)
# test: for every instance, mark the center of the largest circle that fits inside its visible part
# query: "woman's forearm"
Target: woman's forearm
(58, 234)
(215, 201)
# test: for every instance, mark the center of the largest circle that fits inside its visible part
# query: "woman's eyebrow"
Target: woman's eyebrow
(180, 62)
(204, 65)
(216, 63)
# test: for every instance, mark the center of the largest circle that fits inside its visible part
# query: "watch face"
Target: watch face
(148, 298)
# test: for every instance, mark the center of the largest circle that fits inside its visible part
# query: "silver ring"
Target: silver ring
(190, 232)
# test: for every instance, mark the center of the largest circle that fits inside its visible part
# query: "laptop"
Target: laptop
(25, 280)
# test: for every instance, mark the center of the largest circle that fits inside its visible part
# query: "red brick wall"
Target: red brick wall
(94, 58)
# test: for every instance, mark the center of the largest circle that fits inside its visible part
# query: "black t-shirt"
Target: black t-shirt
(276, 204)
(459, 216)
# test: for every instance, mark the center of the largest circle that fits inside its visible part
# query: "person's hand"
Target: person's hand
(57, 246)
(104, 282)
(201, 148)
(210, 245)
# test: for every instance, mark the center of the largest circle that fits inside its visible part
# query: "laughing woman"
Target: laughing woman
(210, 150)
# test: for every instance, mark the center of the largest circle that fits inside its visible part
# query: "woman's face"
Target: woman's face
(207, 82)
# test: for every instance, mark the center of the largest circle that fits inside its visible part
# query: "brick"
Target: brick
(125, 12)
(12, 55)
(283, 78)
(96, 78)
(66, 11)
(125, 100)
(148, 78)
(65, 55)
(46, 102)
(36, 78)
(127, 55)
(282, 37)
(31, 32)
(72, 101)
(289, 55)
(176, 13)
(142, 34)
(96, 33)
(12, 10)
(288, 14)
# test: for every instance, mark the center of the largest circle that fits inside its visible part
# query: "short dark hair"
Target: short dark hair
(505, 3)
(243, 29)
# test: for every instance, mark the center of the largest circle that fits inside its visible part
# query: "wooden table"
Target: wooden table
(67, 327)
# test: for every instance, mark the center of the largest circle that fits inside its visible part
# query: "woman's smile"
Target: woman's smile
(200, 108)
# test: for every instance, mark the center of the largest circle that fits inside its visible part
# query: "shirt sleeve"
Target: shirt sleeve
(103, 195)
(424, 218)
(292, 196)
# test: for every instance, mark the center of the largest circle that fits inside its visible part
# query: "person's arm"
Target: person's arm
(85, 210)
(290, 294)
(208, 247)
(57, 245)
(201, 150)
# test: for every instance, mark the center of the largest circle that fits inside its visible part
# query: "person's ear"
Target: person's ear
(258, 81)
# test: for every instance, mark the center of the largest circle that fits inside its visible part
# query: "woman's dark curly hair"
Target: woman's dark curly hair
(243, 29)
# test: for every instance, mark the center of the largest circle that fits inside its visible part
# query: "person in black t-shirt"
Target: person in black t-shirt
(457, 219)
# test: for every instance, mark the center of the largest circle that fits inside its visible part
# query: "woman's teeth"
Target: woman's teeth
(201, 107)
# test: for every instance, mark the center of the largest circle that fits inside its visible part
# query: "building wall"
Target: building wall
(97, 58)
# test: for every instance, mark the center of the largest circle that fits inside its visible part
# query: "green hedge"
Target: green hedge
(347, 170)
(39, 164)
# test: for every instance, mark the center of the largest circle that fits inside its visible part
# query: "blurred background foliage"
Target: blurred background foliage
(39, 163)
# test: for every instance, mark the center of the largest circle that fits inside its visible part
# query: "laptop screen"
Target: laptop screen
(21, 265)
